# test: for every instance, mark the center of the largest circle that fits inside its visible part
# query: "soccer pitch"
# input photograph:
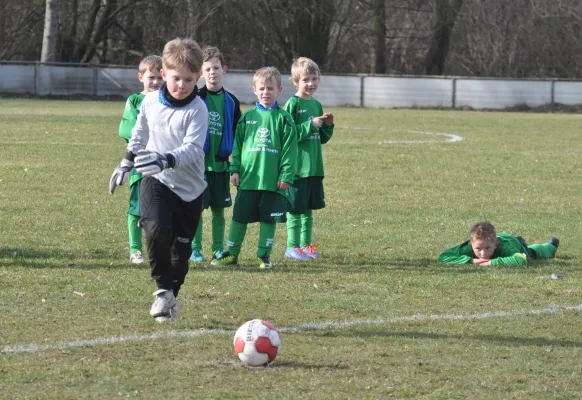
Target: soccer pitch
(375, 318)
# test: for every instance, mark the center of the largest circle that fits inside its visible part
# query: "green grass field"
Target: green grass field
(387, 321)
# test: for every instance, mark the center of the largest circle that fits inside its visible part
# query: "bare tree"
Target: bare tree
(51, 30)
(445, 16)
(380, 30)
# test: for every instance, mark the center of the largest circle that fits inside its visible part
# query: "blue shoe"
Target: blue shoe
(296, 253)
(197, 256)
(219, 253)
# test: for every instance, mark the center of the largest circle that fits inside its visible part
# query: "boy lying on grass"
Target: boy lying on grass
(486, 247)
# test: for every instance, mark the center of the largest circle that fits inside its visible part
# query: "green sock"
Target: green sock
(135, 243)
(236, 235)
(218, 227)
(197, 241)
(293, 230)
(543, 251)
(266, 239)
(306, 228)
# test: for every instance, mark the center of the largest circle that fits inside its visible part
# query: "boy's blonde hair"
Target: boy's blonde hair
(303, 66)
(182, 53)
(483, 231)
(150, 63)
(266, 74)
(211, 52)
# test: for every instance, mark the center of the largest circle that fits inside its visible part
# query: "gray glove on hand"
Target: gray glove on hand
(151, 163)
(120, 174)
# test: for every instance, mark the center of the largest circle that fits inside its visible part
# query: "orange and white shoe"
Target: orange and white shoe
(311, 251)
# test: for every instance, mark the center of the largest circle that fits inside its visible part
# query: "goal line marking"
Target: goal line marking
(35, 348)
(449, 137)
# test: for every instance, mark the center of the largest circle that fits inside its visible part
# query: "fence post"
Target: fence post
(95, 75)
(36, 65)
(362, 84)
(454, 94)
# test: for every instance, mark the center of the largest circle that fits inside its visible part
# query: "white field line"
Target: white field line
(41, 143)
(450, 138)
(35, 348)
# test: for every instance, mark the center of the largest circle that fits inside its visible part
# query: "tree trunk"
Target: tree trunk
(51, 30)
(445, 15)
(380, 31)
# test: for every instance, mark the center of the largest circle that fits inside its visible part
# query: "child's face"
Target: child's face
(484, 248)
(180, 81)
(152, 80)
(307, 85)
(267, 92)
(212, 71)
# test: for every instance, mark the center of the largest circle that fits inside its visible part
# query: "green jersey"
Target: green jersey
(510, 252)
(310, 139)
(129, 117)
(127, 123)
(215, 103)
(265, 149)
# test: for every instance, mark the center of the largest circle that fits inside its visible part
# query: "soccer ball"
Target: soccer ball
(256, 343)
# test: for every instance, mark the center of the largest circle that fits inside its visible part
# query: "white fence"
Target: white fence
(356, 91)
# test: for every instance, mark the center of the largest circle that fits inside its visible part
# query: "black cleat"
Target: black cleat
(555, 241)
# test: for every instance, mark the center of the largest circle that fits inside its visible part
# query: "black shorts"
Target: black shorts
(259, 206)
(217, 193)
(305, 194)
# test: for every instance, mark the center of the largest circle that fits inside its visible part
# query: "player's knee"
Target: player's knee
(183, 248)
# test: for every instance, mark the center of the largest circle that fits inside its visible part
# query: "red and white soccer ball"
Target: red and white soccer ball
(256, 343)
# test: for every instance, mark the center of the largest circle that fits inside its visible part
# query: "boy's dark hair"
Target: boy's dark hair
(211, 52)
(483, 231)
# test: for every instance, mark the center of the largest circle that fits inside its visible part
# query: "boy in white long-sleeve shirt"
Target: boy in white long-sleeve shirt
(167, 148)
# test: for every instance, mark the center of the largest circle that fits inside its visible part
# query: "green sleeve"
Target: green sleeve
(325, 133)
(516, 260)
(239, 137)
(129, 118)
(510, 252)
(304, 129)
(288, 166)
(456, 255)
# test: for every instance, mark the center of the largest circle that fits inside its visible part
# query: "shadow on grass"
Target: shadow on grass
(59, 258)
(295, 365)
(100, 259)
(502, 340)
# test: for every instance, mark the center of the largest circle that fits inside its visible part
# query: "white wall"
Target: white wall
(334, 90)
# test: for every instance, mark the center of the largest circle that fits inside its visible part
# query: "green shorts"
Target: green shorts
(305, 194)
(259, 206)
(217, 193)
(134, 190)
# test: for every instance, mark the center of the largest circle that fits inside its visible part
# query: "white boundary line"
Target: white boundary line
(35, 348)
(450, 138)
(52, 143)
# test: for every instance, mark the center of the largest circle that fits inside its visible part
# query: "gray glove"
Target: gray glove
(120, 174)
(150, 162)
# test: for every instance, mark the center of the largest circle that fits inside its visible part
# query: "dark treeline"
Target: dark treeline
(493, 38)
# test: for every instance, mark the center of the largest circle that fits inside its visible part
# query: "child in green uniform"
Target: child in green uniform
(149, 74)
(314, 128)
(263, 165)
(486, 248)
(224, 112)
